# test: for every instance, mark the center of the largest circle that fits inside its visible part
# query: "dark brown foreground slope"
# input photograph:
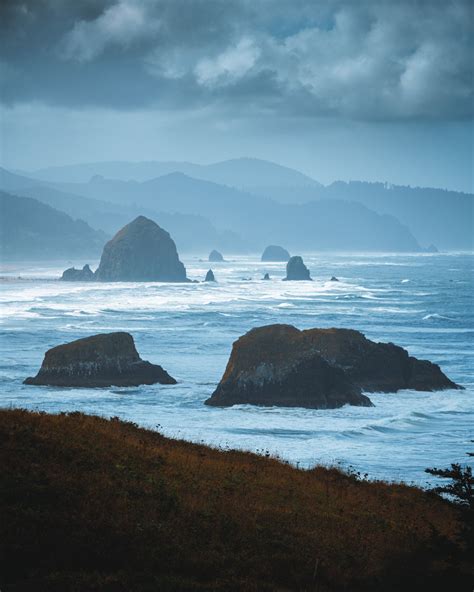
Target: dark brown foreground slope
(90, 504)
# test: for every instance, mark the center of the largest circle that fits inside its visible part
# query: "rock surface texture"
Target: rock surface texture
(275, 253)
(141, 252)
(318, 368)
(277, 365)
(109, 359)
(210, 276)
(78, 275)
(215, 256)
(296, 270)
(377, 367)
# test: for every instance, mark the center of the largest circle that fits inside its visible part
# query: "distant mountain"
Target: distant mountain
(244, 173)
(435, 216)
(191, 232)
(324, 224)
(30, 229)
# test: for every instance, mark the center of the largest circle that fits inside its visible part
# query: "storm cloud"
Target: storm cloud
(407, 60)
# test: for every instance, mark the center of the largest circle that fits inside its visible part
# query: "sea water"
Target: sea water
(423, 302)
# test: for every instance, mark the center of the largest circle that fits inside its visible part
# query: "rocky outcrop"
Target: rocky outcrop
(78, 275)
(266, 276)
(377, 367)
(275, 253)
(210, 276)
(278, 365)
(141, 252)
(109, 359)
(333, 279)
(296, 270)
(215, 256)
(319, 368)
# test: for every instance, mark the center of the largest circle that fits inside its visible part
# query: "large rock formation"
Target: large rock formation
(275, 253)
(318, 368)
(296, 270)
(78, 275)
(141, 252)
(215, 256)
(377, 367)
(109, 359)
(277, 365)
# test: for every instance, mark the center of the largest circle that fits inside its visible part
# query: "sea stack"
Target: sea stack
(210, 276)
(275, 253)
(277, 365)
(296, 270)
(141, 252)
(215, 256)
(319, 368)
(108, 359)
(78, 275)
(266, 276)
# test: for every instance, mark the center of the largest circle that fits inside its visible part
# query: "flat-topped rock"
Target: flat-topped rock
(141, 252)
(215, 256)
(78, 275)
(377, 367)
(108, 359)
(275, 253)
(278, 365)
(296, 270)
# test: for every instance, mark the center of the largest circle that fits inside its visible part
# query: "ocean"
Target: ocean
(423, 302)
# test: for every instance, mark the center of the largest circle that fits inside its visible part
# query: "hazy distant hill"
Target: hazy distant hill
(190, 232)
(30, 229)
(238, 172)
(323, 224)
(445, 218)
(435, 216)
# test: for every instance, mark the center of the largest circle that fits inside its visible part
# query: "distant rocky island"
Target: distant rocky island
(275, 253)
(319, 368)
(102, 360)
(296, 270)
(140, 252)
(216, 256)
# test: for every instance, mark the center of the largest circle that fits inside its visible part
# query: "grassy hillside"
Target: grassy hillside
(91, 504)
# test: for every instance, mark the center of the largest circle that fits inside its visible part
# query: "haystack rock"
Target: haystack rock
(278, 365)
(141, 252)
(78, 275)
(377, 367)
(215, 256)
(275, 253)
(210, 276)
(296, 270)
(109, 359)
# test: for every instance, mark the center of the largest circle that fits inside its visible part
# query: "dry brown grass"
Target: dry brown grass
(91, 504)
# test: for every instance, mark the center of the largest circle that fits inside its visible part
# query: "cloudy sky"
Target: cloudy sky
(374, 90)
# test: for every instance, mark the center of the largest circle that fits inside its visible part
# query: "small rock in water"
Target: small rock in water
(266, 276)
(334, 279)
(215, 256)
(210, 276)
(78, 275)
(296, 270)
(275, 253)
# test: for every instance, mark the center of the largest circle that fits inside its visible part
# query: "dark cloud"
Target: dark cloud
(361, 60)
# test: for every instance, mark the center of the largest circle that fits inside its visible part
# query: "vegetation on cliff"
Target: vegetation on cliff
(95, 504)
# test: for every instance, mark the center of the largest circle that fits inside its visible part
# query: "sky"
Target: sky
(367, 90)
